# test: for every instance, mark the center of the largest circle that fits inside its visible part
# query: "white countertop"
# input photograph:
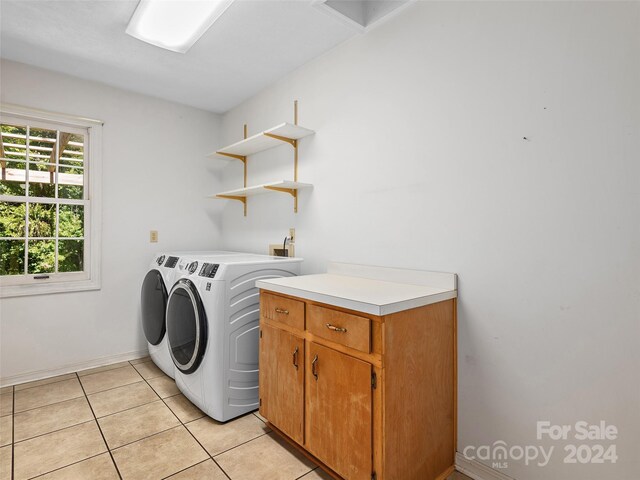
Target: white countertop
(352, 290)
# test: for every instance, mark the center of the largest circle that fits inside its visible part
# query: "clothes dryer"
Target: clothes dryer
(213, 313)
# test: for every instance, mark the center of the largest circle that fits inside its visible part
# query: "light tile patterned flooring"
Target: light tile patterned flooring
(129, 421)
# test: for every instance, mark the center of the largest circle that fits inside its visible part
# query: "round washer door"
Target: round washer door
(186, 326)
(154, 307)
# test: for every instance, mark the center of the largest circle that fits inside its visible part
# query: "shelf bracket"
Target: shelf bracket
(291, 191)
(291, 141)
(294, 143)
(235, 197)
(242, 158)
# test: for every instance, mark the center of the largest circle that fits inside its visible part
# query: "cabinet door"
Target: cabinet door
(282, 380)
(338, 411)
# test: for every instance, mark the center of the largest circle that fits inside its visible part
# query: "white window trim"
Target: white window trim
(59, 284)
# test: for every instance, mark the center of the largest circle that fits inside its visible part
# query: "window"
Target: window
(49, 202)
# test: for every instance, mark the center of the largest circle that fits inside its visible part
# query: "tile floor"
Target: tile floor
(129, 421)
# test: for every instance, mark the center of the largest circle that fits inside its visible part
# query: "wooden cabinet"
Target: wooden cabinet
(365, 396)
(338, 407)
(282, 380)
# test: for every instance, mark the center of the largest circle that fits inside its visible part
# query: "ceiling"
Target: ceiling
(253, 44)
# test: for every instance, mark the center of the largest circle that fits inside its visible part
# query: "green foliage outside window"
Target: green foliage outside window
(43, 218)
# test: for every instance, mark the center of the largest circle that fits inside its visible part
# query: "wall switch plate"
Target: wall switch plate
(276, 250)
(292, 235)
(153, 236)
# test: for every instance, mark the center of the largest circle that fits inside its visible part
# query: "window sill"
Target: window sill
(8, 291)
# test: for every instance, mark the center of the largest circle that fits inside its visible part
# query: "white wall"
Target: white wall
(420, 161)
(155, 177)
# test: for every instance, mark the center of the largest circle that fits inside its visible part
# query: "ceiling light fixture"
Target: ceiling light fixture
(174, 24)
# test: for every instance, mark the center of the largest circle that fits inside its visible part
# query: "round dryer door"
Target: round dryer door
(154, 307)
(186, 326)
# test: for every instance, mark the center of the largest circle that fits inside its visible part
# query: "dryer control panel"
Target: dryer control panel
(209, 270)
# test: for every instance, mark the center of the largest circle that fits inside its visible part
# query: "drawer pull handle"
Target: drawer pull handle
(282, 310)
(295, 358)
(336, 329)
(314, 367)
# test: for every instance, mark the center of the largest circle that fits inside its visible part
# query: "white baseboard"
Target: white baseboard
(71, 368)
(477, 470)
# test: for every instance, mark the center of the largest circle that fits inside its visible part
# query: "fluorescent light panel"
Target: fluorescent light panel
(174, 24)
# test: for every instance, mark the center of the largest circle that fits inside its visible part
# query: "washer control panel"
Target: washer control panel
(193, 266)
(209, 270)
(160, 260)
(171, 262)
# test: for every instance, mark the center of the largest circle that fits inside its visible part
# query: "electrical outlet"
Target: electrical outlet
(292, 235)
(276, 250)
(153, 236)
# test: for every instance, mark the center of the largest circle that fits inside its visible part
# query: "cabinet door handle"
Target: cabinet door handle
(314, 367)
(336, 329)
(282, 310)
(295, 358)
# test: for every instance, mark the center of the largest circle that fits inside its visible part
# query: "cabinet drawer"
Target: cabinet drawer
(343, 328)
(283, 310)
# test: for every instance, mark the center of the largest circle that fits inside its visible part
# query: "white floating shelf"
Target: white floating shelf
(264, 188)
(262, 141)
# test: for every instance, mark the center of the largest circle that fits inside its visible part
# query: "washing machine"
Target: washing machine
(213, 313)
(154, 296)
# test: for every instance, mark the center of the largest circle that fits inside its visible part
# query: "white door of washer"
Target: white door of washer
(154, 303)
